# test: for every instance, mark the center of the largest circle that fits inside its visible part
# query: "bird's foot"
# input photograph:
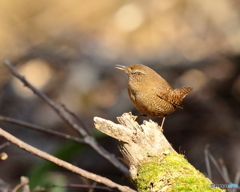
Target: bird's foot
(161, 128)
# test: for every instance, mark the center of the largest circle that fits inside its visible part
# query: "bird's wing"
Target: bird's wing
(168, 95)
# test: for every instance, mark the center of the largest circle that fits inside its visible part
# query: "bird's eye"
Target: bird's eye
(136, 72)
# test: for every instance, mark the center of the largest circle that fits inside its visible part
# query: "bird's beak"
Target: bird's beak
(121, 67)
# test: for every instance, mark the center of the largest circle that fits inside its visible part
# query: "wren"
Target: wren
(150, 93)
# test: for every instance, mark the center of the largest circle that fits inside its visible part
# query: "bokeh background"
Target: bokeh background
(68, 49)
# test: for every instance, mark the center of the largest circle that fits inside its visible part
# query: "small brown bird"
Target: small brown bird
(150, 93)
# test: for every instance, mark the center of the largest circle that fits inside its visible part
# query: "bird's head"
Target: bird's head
(134, 70)
(137, 74)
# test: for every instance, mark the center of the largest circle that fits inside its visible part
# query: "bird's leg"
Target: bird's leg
(163, 122)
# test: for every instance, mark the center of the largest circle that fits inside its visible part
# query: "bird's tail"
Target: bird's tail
(179, 94)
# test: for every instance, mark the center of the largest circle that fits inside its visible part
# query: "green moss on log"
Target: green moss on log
(173, 173)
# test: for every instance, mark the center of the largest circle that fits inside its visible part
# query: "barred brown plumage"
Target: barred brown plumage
(150, 93)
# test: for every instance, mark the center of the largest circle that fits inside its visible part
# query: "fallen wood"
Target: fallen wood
(154, 165)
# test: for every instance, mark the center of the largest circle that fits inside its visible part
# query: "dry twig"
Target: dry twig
(61, 112)
(62, 163)
(4, 145)
(76, 187)
(39, 128)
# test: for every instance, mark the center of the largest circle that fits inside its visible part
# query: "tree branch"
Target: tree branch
(41, 129)
(62, 163)
(61, 113)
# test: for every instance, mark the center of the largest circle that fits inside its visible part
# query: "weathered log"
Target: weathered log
(154, 165)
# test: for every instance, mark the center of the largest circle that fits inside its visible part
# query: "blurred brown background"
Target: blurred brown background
(69, 49)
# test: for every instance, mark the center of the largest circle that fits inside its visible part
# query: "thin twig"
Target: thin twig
(61, 112)
(18, 186)
(224, 171)
(206, 154)
(4, 145)
(39, 128)
(77, 118)
(57, 108)
(62, 163)
(76, 186)
(94, 184)
(221, 167)
(24, 184)
(4, 187)
(216, 164)
(237, 177)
